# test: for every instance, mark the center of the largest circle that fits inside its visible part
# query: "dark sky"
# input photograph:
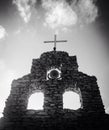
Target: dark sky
(7, 11)
(104, 10)
(103, 6)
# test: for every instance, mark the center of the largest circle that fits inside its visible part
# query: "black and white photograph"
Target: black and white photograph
(54, 64)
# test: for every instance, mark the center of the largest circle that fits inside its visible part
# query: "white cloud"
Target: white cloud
(87, 11)
(2, 32)
(62, 14)
(25, 8)
(59, 14)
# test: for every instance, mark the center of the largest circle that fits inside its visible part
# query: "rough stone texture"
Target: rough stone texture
(91, 114)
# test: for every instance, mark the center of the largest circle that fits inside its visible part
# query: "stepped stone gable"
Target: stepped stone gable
(53, 89)
(54, 73)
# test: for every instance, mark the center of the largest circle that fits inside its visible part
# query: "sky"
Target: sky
(26, 24)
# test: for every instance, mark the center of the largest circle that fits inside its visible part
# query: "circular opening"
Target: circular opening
(54, 74)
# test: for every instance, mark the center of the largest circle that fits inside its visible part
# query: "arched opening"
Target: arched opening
(71, 100)
(36, 101)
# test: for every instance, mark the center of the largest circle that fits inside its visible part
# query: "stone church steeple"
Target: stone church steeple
(53, 73)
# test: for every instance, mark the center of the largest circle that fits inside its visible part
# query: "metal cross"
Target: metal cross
(55, 41)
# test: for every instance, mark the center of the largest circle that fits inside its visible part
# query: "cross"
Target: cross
(55, 41)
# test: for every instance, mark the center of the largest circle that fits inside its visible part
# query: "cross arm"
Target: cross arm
(62, 41)
(53, 41)
(48, 41)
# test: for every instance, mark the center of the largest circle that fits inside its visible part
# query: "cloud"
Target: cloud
(86, 10)
(2, 32)
(64, 13)
(59, 14)
(25, 8)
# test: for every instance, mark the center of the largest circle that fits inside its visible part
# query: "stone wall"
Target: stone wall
(90, 116)
(53, 89)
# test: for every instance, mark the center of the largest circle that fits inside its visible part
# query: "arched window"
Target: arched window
(36, 101)
(71, 100)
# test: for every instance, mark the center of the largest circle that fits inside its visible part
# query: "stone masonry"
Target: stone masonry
(64, 77)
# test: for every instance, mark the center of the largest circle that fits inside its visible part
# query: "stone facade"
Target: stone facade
(66, 77)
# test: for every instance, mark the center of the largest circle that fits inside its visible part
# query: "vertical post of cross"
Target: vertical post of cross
(55, 42)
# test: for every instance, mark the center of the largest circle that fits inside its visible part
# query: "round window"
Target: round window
(54, 73)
